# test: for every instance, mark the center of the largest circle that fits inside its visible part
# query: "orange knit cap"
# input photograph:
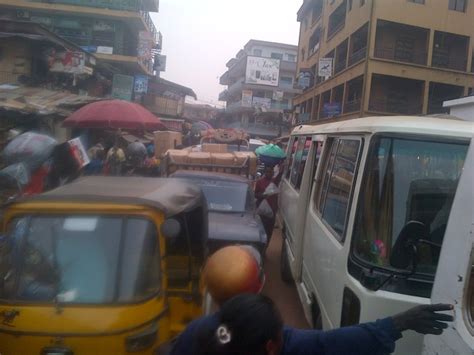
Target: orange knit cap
(230, 271)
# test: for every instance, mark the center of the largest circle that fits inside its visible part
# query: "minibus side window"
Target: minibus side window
(337, 184)
(291, 154)
(407, 193)
(300, 162)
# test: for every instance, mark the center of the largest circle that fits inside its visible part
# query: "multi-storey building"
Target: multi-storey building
(119, 33)
(260, 86)
(389, 56)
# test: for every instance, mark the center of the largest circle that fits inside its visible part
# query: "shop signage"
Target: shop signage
(325, 67)
(262, 71)
(68, 62)
(262, 102)
(332, 109)
(122, 87)
(141, 84)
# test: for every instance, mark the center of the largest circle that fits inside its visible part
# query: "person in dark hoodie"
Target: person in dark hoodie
(249, 324)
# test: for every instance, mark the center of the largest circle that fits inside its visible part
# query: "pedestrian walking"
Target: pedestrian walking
(114, 161)
(266, 193)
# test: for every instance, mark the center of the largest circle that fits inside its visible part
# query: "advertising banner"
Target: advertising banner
(141, 84)
(278, 95)
(325, 67)
(262, 71)
(247, 98)
(68, 62)
(262, 102)
(122, 87)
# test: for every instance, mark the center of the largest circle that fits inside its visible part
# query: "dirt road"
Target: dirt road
(284, 295)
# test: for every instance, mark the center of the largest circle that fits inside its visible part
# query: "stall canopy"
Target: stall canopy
(114, 114)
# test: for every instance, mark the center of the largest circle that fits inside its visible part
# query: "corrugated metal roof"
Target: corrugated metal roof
(39, 101)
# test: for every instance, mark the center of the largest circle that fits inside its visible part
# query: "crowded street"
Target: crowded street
(265, 177)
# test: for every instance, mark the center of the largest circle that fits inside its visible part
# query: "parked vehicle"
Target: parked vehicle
(93, 268)
(454, 281)
(365, 204)
(231, 205)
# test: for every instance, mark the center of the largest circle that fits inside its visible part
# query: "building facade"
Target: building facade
(260, 87)
(388, 57)
(119, 33)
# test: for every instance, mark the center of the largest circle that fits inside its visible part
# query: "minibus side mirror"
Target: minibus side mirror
(171, 228)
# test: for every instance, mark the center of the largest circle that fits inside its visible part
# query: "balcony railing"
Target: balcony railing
(395, 106)
(357, 56)
(123, 5)
(352, 106)
(444, 60)
(340, 66)
(415, 57)
(335, 28)
(304, 117)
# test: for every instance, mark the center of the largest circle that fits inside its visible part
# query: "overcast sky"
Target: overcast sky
(200, 36)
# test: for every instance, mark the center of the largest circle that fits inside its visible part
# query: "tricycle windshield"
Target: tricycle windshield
(80, 259)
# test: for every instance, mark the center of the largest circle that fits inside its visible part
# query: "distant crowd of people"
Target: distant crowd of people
(137, 159)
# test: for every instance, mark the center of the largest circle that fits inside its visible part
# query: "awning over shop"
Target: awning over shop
(39, 101)
(166, 88)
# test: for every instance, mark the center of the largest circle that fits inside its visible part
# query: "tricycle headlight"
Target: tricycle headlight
(56, 351)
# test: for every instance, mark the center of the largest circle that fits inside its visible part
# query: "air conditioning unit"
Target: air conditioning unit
(23, 14)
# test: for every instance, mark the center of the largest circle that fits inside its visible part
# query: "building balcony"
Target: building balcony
(414, 57)
(393, 106)
(124, 12)
(131, 63)
(352, 106)
(303, 118)
(224, 95)
(357, 56)
(450, 51)
(444, 60)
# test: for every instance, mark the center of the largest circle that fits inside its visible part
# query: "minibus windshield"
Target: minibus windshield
(407, 182)
(80, 259)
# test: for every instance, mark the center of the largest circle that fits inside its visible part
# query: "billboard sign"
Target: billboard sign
(122, 87)
(145, 45)
(247, 98)
(262, 71)
(79, 152)
(160, 62)
(325, 67)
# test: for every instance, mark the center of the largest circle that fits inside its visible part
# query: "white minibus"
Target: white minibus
(454, 281)
(365, 204)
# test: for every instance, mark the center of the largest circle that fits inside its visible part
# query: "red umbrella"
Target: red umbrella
(114, 114)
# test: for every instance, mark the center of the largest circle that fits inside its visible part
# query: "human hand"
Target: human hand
(424, 319)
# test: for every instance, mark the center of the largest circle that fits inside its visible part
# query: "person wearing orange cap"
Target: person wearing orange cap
(250, 324)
